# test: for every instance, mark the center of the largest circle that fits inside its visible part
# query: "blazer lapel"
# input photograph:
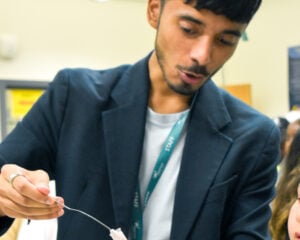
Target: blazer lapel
(204, 151)
(124, 128)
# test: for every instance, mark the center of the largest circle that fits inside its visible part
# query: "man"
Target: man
(154, 148)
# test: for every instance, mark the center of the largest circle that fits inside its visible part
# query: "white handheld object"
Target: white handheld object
(117, 234)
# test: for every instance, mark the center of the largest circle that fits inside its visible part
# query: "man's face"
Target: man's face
(191, 45)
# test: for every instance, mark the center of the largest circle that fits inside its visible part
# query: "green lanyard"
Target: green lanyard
(164, 156)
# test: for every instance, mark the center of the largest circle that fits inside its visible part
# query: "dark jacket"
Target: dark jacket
(87, 132)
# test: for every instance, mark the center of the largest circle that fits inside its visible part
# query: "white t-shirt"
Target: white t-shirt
(157, 216)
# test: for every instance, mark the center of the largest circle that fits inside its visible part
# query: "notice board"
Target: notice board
(294, 77)
(241, 91)
(16, 99)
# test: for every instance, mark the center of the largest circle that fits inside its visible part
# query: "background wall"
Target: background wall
(263, 60)
(53, 34)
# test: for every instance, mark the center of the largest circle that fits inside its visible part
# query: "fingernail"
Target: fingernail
(59, 202)
(61, 212)
(43, 188)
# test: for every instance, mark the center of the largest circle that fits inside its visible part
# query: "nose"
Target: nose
(202, 51)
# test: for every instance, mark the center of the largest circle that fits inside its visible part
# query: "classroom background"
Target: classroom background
(38, 38)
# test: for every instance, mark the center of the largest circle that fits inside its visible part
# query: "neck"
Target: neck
(161, 103)
(162, 98)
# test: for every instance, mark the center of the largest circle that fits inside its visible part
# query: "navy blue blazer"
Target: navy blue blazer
(87, 132)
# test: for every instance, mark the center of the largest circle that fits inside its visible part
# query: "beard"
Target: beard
(182, 88)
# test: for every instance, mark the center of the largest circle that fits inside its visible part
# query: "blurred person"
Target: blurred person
(291, 130)
(282, 123)
(292, 115)
(155, 148)
(294, 216)
(286, 186)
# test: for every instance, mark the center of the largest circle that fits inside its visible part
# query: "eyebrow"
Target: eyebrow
(189, 18)
(233, 32)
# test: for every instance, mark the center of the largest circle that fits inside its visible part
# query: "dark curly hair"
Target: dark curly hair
(240, 11)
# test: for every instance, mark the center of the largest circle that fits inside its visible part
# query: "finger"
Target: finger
(25, 190)
(13, 176)
(15, 211)
(32, 202)
(40, 179)
(43, 188)
(27, 195)
(32, 184)
(21, 207)
(35, 177)
(18, 195)
(24, 194)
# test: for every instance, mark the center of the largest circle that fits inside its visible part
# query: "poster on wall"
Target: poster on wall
(294, 77)
(16, 99)
(18, 103)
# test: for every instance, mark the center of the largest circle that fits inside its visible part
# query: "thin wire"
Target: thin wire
(85, 214)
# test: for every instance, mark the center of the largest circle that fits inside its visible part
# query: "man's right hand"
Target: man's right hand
(25, 194)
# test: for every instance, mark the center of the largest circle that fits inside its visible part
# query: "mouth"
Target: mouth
(297, 235)
(191, 78)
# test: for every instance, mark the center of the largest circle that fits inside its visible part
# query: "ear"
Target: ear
(153, 12)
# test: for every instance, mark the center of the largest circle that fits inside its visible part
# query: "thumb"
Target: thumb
(40, 179)
(43, 188)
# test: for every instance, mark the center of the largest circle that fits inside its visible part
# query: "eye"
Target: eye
(188, 28)
(228, 40)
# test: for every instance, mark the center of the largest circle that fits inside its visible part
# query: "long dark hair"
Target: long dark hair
(293, 157)
(286, 191)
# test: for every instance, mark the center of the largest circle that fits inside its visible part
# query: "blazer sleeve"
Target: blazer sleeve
(35, 137)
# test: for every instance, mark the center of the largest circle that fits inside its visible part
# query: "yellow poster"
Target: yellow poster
(18, 103)
(21, 100)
